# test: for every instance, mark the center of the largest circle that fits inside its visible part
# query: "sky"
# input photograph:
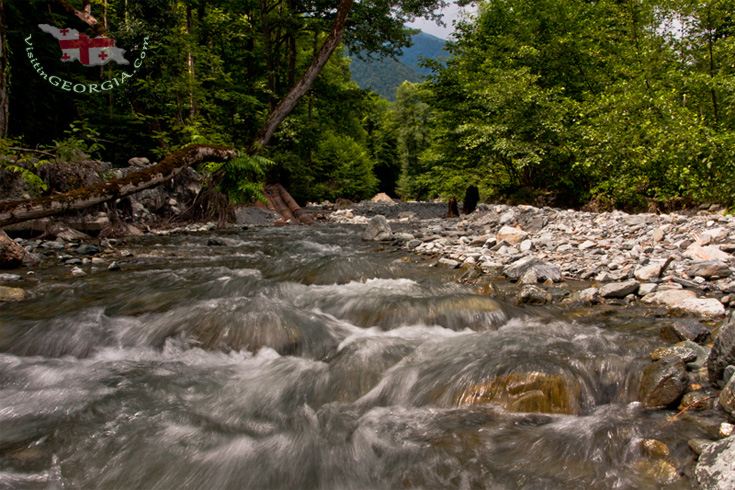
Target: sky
(450, 13)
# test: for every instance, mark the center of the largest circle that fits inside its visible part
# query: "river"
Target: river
(304, 358)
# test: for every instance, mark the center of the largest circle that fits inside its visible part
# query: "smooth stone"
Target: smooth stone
(672, 297)
(77, 272)
(705, 253)
(448, 263)
(708, 307)
(727, 398)
(9, 277)
(619, 289)
(513, 236)
(698, 400)
(114, 266)
(648, 272)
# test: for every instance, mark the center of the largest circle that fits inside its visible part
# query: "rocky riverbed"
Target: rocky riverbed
(677, 267)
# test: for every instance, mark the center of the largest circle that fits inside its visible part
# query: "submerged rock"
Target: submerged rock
(526, 392)
(9, 294)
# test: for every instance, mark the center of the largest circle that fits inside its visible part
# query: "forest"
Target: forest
(626, 104)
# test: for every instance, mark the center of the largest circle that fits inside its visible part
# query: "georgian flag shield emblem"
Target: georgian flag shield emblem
(89, 52)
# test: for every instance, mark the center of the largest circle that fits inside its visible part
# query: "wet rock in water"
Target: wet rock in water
(684, 350)
(377, 229)
(653, 448)
(9, 277)
(660, 470)
(619, 289)
(544, 270)
(698, 400)
(533, 295)
(88, 249)
(723, 353)
(587, 297)
(447, 263)
(77, 272)
(359, 366)
(526, 392)
(698, 445)
(216, 241)
(9, 294)
(715, 469)
(710, 269)
(663, 382)
(686, 330)
(114, 266)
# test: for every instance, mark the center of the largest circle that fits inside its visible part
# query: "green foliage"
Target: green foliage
(241, 178)
(23, 164)
(583, 100)
(349, 165)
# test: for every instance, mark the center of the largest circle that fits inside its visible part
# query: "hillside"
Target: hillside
(384, 76)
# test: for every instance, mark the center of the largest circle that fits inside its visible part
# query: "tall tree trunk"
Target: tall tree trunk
(4, 77)
(193, 109)
(287, 104)
(18, 211)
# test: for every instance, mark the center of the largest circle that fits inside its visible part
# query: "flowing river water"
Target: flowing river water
(303, 358)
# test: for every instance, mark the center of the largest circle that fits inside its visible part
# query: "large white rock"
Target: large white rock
(377, 229)
(512, 235)
(702, 306)
(671, 297)
(706, 253)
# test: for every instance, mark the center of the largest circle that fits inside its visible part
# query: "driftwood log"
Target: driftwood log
(280, 200)
(18, 211)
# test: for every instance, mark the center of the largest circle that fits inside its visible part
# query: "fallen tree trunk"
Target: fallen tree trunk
(274, 197)
(295, 209)
(18, 211)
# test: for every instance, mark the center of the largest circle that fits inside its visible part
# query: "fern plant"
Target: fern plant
(241, 178)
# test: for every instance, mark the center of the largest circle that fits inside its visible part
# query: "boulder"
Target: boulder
(544, 270)
(709, 269)
(685, 330)
(619, 289)
(648, 272)
(382, 197)
(513, 236)
(377, 229)
(698, 252)
(727, 398)
(663, 383)
(707, 307)
(723, 353)
(714, 470)
(669, 297)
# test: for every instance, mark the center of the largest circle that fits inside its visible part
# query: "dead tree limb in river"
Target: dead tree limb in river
(18, 211)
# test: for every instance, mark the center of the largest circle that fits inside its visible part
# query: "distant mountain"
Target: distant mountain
(384, 76)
